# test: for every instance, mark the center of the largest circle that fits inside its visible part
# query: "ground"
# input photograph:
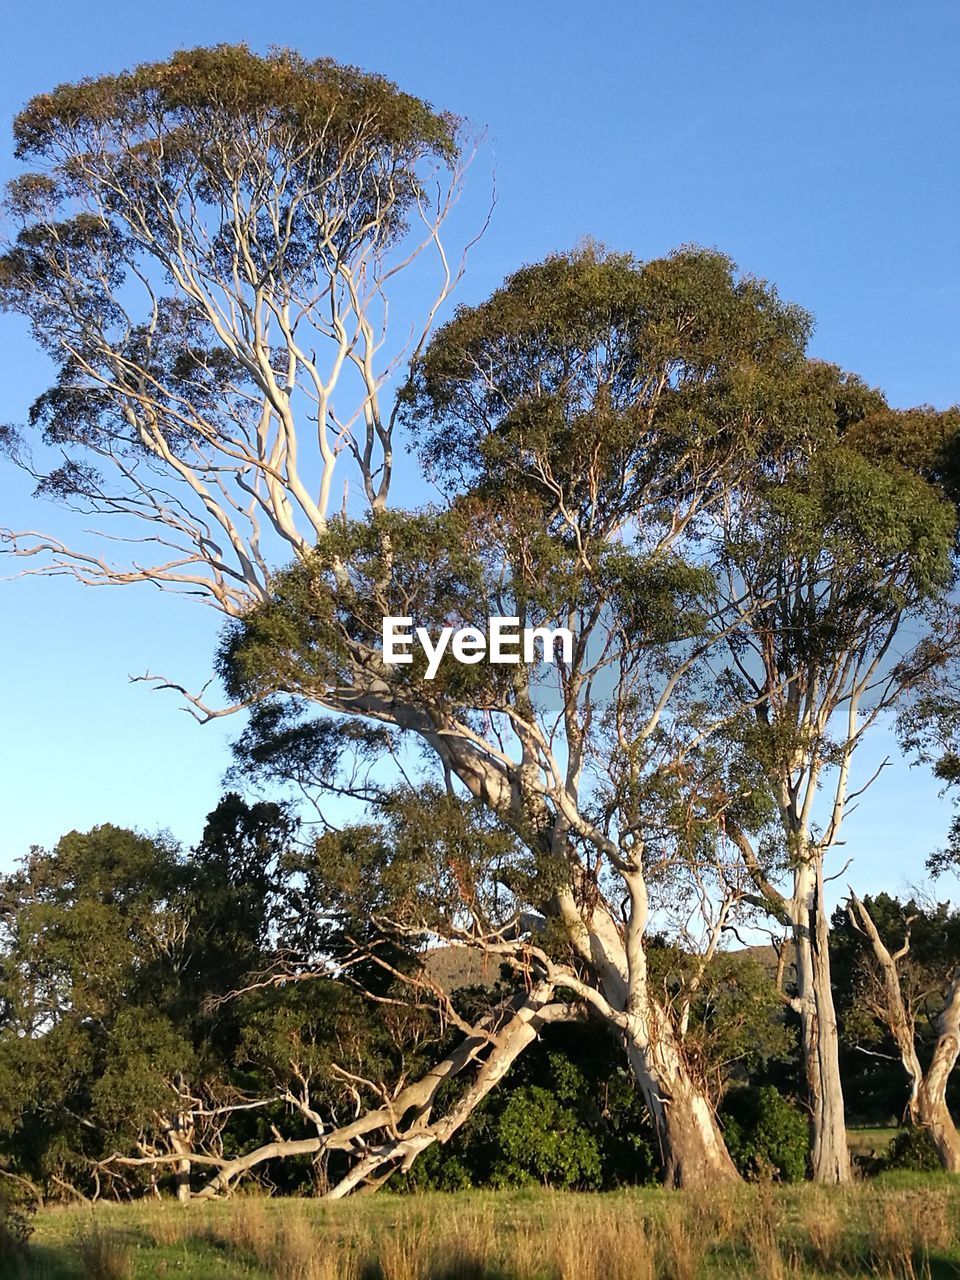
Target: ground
(896, 1226)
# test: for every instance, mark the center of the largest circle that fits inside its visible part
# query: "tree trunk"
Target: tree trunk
(934, 1115)
(692, 1148)
(927, 1106)
(932, 1109)
(181, 1141)
(898, 1017)
(820, 1040)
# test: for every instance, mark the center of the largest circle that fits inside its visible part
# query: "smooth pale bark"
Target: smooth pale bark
(692, 1149)
(404, 1124)
(516, 1036)
(932, 1106)
(183, 1180)
(389, 1138)
(927, 1104)
(804, 913)
(898, 1018)
(819, 1037)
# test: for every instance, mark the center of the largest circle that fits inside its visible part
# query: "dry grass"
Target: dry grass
(103, 1255)
(910, 1231)
(597, 1244)
(285, 1246)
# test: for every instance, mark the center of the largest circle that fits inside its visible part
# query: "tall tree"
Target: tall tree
(581, 423)
(843, 542)
(205, 249)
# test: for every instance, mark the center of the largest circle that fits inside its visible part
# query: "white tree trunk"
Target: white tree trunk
(932, 1109)
(692, 1148)
(181, 1141)
(820, 1040)
(691, 1144)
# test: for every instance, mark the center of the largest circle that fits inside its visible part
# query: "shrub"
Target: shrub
(541, 1139)
(437, 1170)
(766, 1134)
(15, 1229)
(561, 1119)
(912, 1149)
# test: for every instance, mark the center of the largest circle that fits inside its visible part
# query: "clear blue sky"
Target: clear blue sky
(816, 143)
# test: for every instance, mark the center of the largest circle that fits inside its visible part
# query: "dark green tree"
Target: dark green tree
(113, 945)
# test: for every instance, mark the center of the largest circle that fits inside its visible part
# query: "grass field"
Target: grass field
(870, 1142)
(898, 1226)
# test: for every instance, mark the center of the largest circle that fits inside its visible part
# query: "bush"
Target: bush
(436, 1170)
(562, 1119)
(912, 1149)
(15, 1229)
(540, 1139)
(766, 1134)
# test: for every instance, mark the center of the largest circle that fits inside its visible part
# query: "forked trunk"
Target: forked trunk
(927, 1105)
(181, 1141)
(692, 1149)
(820, 1040)
(932, 1109)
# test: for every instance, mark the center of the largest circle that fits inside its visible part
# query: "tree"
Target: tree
(843, 544)
(288, 222)
(581, 420)
(197, 231)
(909, 983)
(87, 1054)
(112, 946)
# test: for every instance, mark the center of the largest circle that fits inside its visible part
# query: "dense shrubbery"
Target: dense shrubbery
(16, 1228)
(911, 1149)
(564, 1119)
(118, 950)
(766, 1134)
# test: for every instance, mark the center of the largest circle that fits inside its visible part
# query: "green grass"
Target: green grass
(905, 1225)
(870, 1142)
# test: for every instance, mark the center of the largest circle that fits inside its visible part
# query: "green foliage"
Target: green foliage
(16, 1228)
(765, 1133)
(581, 361)
(224, 86)
(255, 175)
(737, 536)
(111, 945)
(736, 1023)
(567, 1116)
(912, 1149)
(540, 1139)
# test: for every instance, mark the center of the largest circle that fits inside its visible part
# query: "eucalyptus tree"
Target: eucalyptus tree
(580, 423)
(842, 538)
(206, 250)
(906, 984)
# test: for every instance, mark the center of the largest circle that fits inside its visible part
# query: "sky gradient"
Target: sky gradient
(815, 143)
